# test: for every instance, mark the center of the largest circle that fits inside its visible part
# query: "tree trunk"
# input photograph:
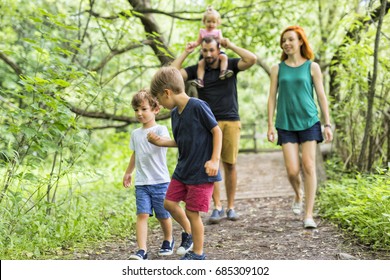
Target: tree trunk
(151, 27)
(371, 94)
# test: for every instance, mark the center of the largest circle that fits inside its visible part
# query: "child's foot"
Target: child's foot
(198, 83)
(186, 244)
(140, 255)
(192, 256)
(167, 248)
(225, 74)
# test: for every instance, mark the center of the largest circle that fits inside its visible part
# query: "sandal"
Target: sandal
(198, 83)
(225, 74)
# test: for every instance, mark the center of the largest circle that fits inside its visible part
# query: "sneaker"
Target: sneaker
(297, 207)
(309, 223)
(186, 243)
(192, 256)
(225, 74)
(216, 216)
(231, 215)
(197, 83)
(166, 248)
(140, 255)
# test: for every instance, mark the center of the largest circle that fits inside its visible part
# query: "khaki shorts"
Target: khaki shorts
(230, 140)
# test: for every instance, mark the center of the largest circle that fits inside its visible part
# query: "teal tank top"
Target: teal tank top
(296, 109)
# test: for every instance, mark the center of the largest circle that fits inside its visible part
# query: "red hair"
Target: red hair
(306, 50)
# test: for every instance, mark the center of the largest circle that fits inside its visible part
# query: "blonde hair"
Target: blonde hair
(167, 77)
(143, 95)
(211, 12)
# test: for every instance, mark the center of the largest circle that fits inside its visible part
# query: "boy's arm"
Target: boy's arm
(161, 141)
(129, 171)
(212, 165)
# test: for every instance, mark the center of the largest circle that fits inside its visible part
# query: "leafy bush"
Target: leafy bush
(361, 206)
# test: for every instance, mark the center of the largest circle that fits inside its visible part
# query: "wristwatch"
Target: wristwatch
(328, 125)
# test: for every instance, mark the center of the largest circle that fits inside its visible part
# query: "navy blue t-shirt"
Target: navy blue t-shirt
(192, 133)
(221, 95)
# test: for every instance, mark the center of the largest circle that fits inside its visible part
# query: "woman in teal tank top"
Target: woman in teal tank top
(297, 121)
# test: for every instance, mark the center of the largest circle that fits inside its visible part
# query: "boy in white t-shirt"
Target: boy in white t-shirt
(151, 176)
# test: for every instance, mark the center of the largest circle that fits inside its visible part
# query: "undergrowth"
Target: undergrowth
(359, 204)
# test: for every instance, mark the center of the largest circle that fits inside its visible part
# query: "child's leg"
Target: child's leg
(225, 73)
(166, 225)
(141, 229)
(224, 62)
(201, 69)
(197, 231)
(178, 214)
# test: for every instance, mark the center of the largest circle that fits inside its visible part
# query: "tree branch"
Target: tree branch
(115, 52)
(112, 117)
(143, 10)
(12, 64)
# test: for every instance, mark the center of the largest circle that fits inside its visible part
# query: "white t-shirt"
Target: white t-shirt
(150, 160)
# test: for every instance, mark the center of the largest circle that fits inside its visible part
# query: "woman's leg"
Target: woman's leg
(291, 161)
(310, 176)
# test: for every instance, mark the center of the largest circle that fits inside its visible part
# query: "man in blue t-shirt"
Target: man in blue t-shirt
(221, 95)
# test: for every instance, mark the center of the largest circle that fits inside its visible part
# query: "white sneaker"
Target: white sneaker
(309, 223)
(297, 208)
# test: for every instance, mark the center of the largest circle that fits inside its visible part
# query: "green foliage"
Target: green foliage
(361, 206)
(61, 185)
(91, 205)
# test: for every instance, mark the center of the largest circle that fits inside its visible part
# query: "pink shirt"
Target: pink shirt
(216, 33)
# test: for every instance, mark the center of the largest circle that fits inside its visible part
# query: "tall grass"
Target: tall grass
(359, 204)
(91, 205)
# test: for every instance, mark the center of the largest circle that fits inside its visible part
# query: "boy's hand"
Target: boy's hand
(153, 138)
(127, 180)
(211, 167)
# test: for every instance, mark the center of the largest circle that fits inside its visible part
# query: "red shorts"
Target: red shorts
(196, 197)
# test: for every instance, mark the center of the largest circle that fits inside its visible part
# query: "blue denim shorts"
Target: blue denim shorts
(150, 198)
(313, 133)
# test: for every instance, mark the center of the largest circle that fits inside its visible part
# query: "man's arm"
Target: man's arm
(247, 58)
(178, 62)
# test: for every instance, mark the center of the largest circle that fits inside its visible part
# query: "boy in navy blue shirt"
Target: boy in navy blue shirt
(199, 140)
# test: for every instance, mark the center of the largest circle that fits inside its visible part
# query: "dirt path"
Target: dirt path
(267, 228)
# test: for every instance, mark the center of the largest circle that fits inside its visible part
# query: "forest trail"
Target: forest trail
(267, 228)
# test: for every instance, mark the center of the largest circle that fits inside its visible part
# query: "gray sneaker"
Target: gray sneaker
(231, 215)
(216, 216)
